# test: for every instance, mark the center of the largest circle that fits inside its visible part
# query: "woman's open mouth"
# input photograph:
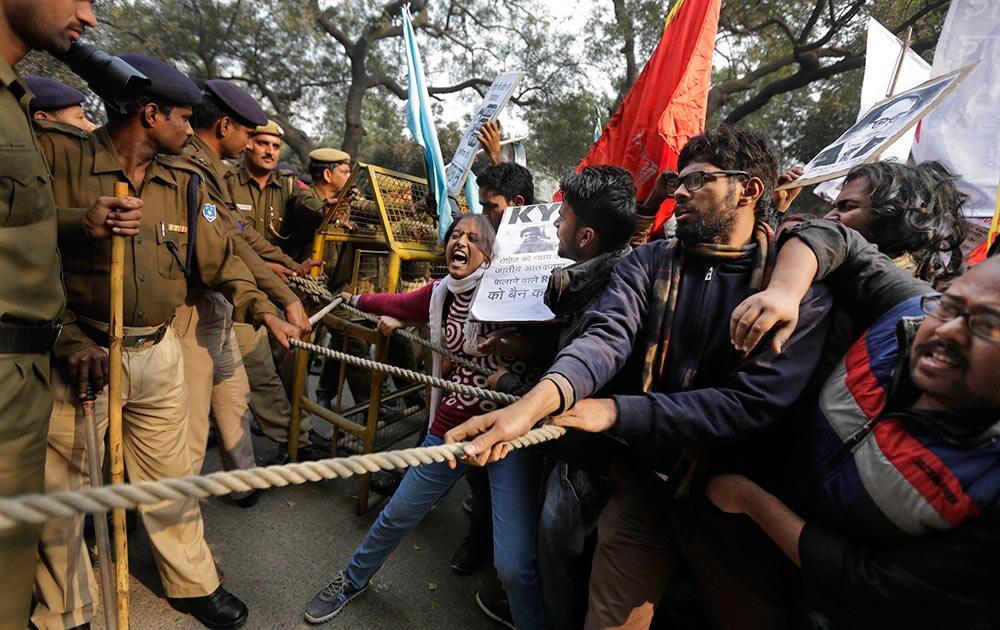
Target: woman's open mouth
(459, 257)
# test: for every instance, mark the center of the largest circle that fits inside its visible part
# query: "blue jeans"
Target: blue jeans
(573, 502)
(514, 483)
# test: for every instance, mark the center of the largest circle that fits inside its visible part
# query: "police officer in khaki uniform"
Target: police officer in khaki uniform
(221, 123)
(31, 295)
(175, 240)
(260, 193)
(58, 102)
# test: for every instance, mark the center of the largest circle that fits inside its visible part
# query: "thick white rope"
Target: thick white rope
(410, 375)
(38, 508)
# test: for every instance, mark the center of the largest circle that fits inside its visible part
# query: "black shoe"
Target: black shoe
(249, 500)
(219, 611)
(470, 557)
(494, 605)
(307, 453)
(319, 441)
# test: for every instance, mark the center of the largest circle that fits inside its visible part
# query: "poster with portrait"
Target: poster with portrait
(526, 252)
(878, 129)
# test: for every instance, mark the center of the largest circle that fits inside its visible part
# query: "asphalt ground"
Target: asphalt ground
(279, 553)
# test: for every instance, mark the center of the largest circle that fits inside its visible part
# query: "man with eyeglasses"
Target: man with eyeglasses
(891, 512)
(685, 402)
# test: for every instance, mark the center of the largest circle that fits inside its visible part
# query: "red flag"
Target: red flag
(667, 104)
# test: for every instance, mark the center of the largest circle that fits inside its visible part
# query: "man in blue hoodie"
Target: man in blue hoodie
(685, 401)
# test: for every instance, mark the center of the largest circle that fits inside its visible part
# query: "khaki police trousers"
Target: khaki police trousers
(216, 380)
(268, 399)
(155, 444)
(25, 407)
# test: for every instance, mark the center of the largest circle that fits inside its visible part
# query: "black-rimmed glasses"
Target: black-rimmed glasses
(696, 179)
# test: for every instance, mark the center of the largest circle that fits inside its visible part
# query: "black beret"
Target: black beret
(233, 100)
(51, 95)
(167, 83)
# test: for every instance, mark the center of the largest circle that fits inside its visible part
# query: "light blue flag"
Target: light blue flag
(472, 193)
(421, 124)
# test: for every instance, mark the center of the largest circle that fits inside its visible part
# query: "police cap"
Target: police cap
(167, 83)
(234, 100)
(271, 128)
(327, 155)
(51, 95)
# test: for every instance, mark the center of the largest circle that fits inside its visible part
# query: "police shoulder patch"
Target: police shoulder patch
(209, 212)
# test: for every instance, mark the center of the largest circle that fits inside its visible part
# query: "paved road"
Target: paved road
(279, 553)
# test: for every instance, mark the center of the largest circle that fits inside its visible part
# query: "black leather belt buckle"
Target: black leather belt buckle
(102, 338)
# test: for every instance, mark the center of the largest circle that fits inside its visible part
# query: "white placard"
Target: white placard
(526, 252)
(881, 126)
(494, 101)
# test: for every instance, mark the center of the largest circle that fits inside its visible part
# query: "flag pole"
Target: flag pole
(898, 69)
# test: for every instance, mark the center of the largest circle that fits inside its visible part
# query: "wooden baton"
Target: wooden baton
(116, 332)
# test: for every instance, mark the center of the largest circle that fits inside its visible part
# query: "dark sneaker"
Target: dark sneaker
(471, 557)
(331, 600)
(494, 604)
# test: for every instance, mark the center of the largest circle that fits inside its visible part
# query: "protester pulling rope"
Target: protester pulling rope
(321, 295)
(410, 375)
(38, 508)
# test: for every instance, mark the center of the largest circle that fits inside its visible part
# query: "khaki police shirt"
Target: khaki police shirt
(31, 290)
(264, 209)
(85, 168)
(248, 244)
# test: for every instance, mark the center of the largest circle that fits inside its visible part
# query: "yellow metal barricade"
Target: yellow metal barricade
(378, 224)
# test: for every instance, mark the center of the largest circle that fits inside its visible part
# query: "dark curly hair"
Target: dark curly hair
(603, 198)
(732, 147)
(508, 180)
(917, 211)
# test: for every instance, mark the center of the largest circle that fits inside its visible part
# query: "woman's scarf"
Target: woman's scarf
(437, 319)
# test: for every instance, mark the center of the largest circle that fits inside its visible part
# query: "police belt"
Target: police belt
(101, 337)
(28, 339)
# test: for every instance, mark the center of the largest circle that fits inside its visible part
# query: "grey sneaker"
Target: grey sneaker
(331, 600)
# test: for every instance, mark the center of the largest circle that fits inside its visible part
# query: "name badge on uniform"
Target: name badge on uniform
(244, 207)
(209, 212)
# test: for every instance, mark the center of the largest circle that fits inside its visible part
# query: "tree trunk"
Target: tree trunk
(624, 19)
(354, 128)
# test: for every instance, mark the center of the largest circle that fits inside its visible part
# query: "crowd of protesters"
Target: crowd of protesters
(775, 420)
(772, 426)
